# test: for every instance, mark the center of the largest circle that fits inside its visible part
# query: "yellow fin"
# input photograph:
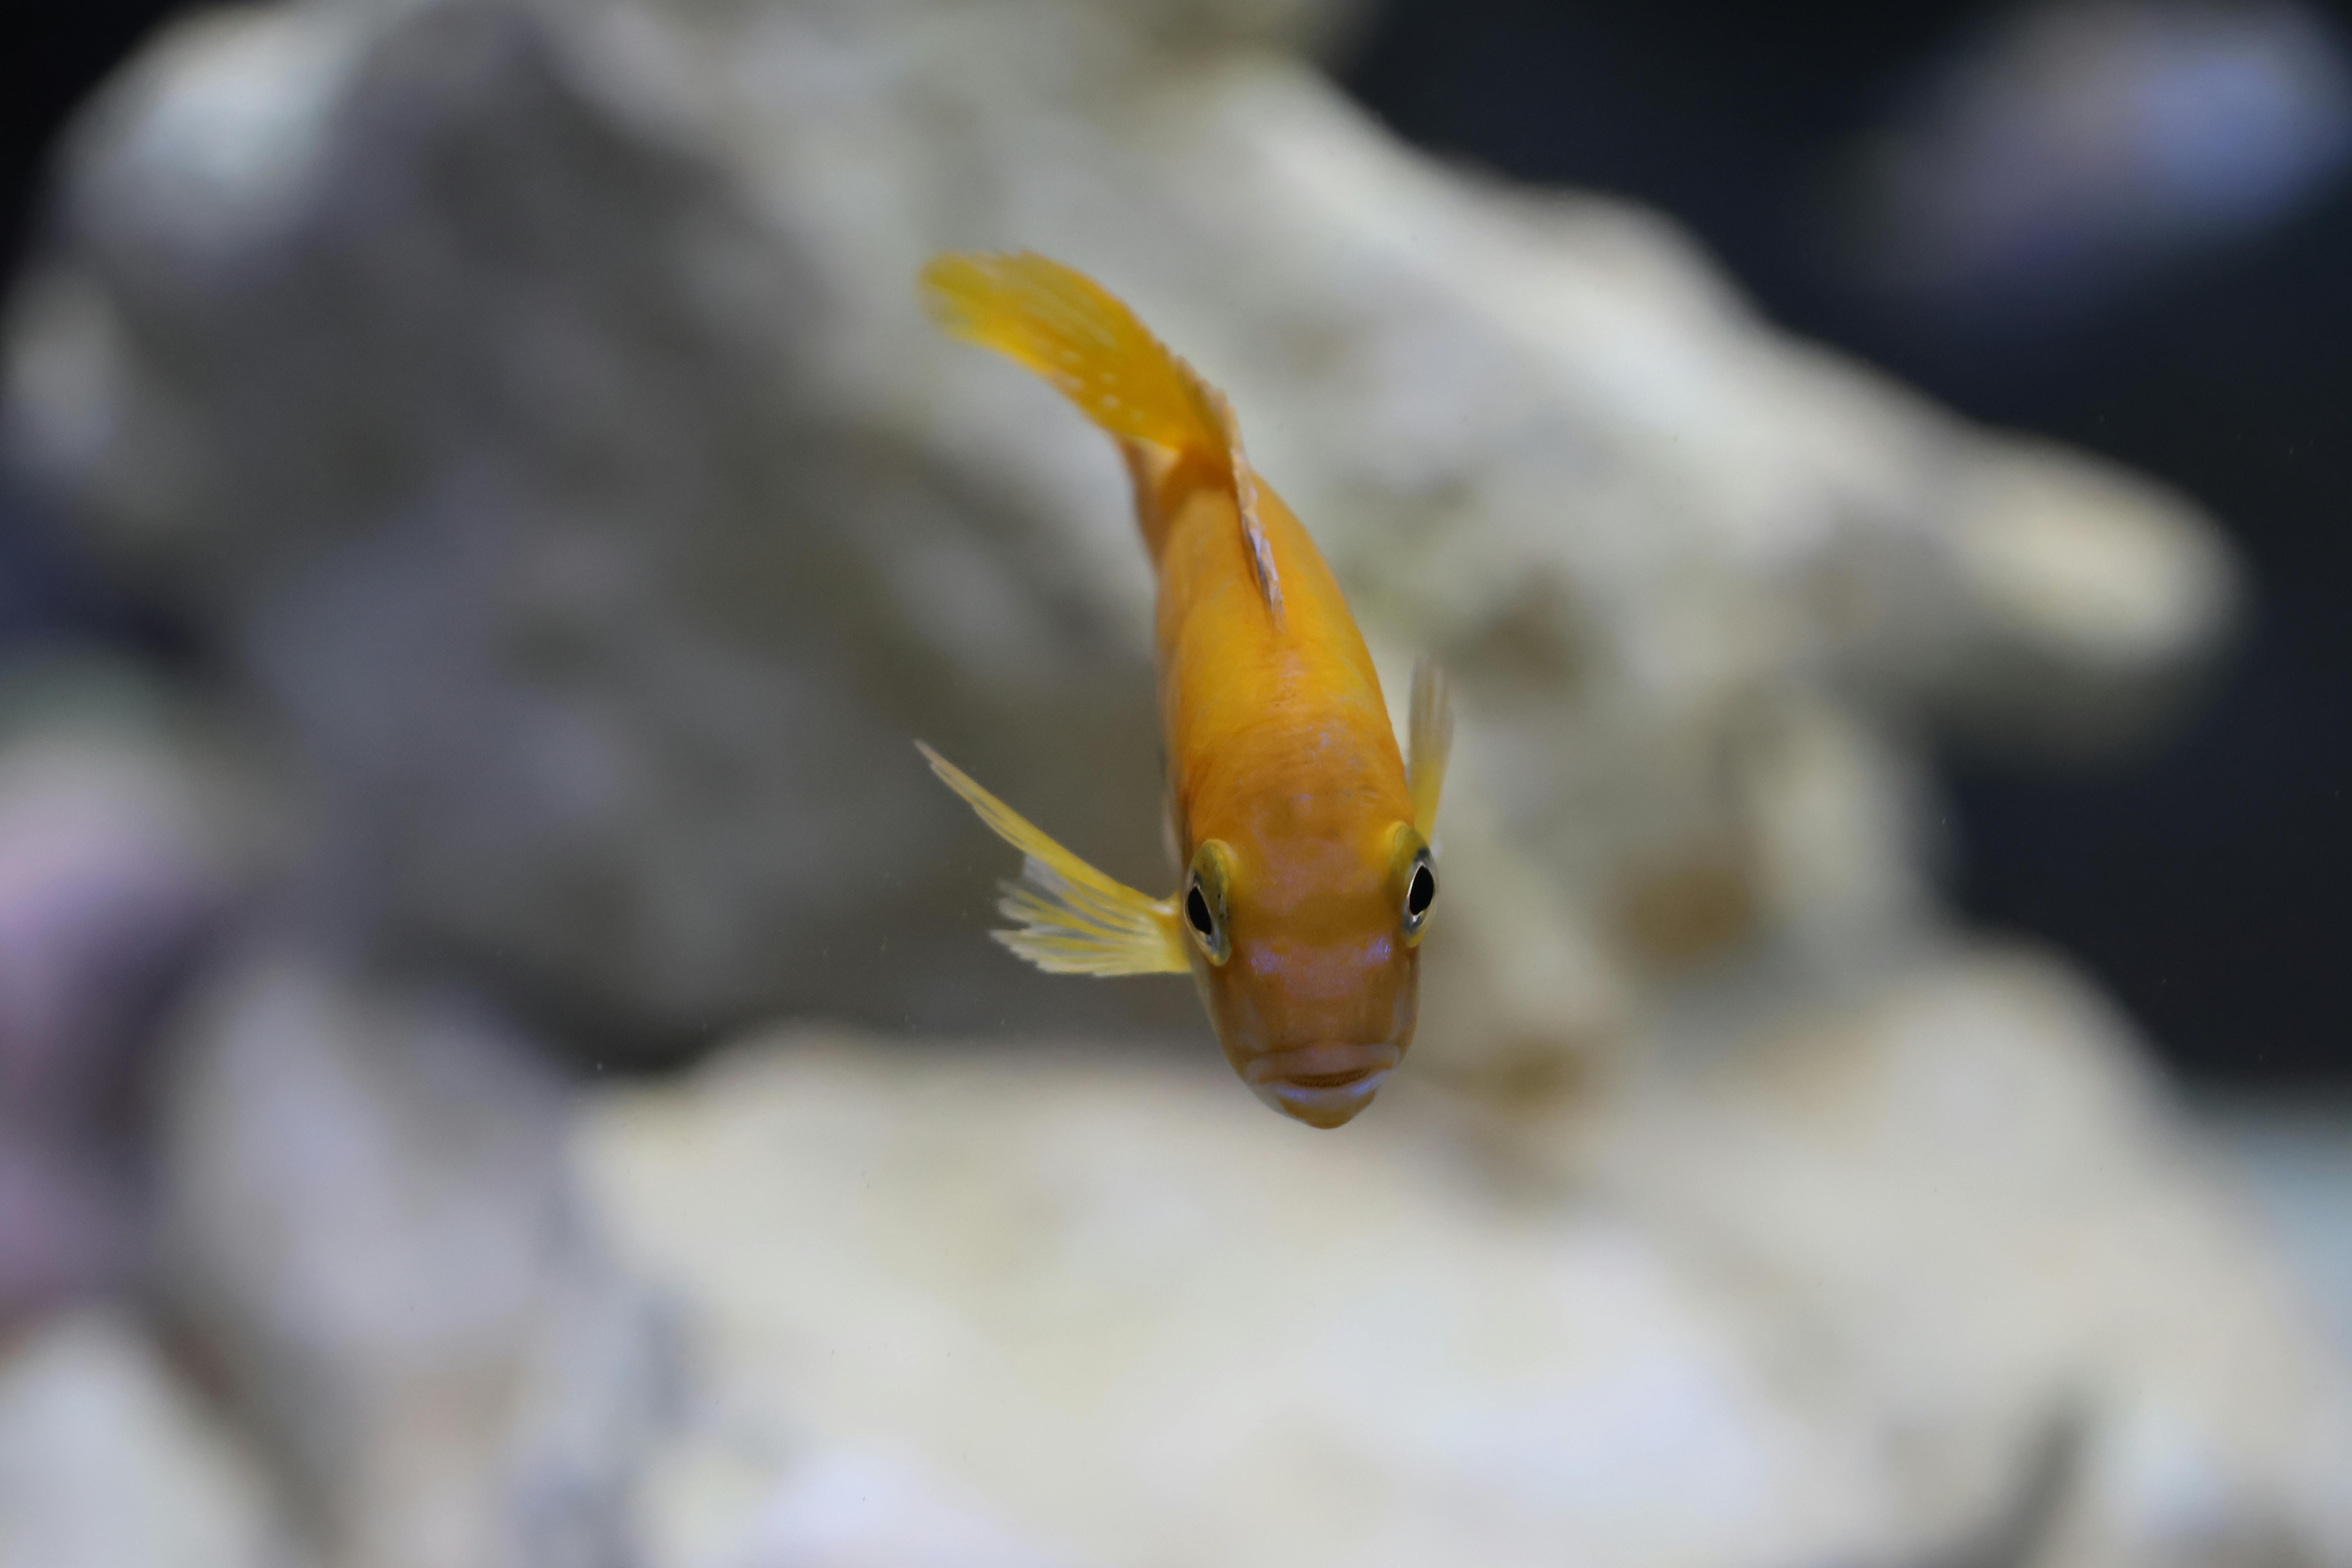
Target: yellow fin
(1261, 548)
(1429, 738)
(1077, 334)
(1074, 333)
(1070, 918)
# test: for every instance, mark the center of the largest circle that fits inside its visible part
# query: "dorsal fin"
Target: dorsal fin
(1245, 480)
(1077, 334)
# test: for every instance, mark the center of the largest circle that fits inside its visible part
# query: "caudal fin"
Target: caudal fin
(1075, 334)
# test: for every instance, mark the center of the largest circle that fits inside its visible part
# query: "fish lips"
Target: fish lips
(1323, 1086)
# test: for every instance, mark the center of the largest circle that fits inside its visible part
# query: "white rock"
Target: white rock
(108, 1462)
(368, 1228)
(2091, 583)
(1981, 1192)
(874, 1509)
(1149, 1328)
(1931, 1275)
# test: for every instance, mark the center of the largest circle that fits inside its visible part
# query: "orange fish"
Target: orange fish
(1305, 835)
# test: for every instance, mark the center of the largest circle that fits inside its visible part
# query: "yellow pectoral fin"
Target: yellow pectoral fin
(1069, 917)
(1429, 737)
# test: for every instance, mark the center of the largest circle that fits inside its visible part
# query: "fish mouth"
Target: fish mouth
(1323, 1086)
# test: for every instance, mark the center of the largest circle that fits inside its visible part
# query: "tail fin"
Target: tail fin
(1072, 919)
(1074, 333)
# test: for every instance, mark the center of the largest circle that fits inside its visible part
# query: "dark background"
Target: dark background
(2202, 880)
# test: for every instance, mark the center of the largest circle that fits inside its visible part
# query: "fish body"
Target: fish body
(1309, 876)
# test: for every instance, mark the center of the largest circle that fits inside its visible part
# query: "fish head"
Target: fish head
(1306, 954)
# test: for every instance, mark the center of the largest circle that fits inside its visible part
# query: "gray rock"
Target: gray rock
(128, 830)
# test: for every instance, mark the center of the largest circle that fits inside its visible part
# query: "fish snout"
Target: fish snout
(1322, 1085)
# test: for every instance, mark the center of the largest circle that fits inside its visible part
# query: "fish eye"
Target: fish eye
(1205, 899)
(1420, 892)
(1196, 909)
(1418, 897)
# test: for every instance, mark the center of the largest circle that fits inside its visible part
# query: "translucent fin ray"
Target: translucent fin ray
(1070, 919)
(1429, 739)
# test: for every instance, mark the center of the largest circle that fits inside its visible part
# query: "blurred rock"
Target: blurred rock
(874, 1509)
(107, 1461)
(127, 830)
(528, 404)
(369, 1231)
(1145, 1329)
(1931, 1279)
(1978, 1191)
(2091, 583)
(2066, 149)
(533, 402)
(2294, 1149)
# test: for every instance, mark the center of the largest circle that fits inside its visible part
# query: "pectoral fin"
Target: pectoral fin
(1070, 919)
